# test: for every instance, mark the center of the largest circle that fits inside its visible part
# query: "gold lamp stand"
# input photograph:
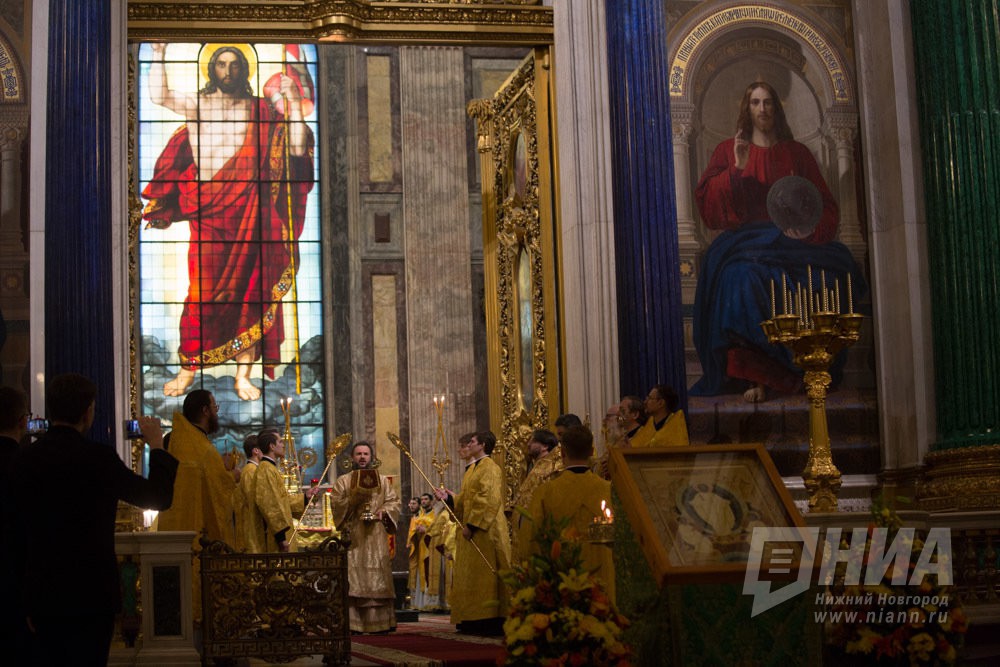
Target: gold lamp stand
(813, 327)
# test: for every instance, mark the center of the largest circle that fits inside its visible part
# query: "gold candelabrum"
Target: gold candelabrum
(440, 459)
(813, 326)
(291, 474)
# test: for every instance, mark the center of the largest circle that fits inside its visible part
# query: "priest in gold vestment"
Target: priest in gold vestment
(666, 426)
(246, 511)
(479, 599)
(418, 543)
(366, 505)
(545, 455)
(575, 495)
(204, 488)
(441, 556)
(274, 508)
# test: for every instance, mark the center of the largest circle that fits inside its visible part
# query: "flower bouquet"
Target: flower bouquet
(560, 613)
(891, 624)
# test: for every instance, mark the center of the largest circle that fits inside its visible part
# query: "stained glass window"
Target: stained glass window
(230, 289)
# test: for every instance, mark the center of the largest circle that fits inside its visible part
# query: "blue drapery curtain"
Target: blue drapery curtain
(79, 316)
(650, 329)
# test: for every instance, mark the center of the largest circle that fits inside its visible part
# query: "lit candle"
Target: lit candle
(772, 299)
(607, 515)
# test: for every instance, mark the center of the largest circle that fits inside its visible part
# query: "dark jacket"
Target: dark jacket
(64, 492)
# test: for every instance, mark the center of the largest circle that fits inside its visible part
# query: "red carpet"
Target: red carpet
(430, 642)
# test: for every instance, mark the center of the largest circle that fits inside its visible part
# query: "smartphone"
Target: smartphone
(131, 429)
(37, 426)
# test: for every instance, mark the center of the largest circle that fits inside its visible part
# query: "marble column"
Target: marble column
(13, 252)
(898, 238)
(841, 128)
(650, 332)
(12, 132)
(436, 222)
(586, 209)
(682, 124)
(957, 67)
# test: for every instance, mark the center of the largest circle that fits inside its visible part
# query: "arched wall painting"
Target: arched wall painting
(230, 292)
(730, 247)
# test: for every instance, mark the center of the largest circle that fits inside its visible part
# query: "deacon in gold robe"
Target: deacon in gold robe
(575, 495)
(666, 426)
(246, 509)
(413, 561)
(205, 485)
(418, 544)
(545, 456)
(274, 507)
(441, 556)
(366, 506)
(479, 598)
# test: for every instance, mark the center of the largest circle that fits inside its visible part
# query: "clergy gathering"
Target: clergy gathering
(455, 333)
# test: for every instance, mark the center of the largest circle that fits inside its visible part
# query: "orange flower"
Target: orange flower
(555, 550)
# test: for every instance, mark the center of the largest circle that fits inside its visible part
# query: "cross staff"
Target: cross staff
(394, 439)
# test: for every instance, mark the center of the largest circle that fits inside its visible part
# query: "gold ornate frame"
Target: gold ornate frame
(662, 490)
(518, 223)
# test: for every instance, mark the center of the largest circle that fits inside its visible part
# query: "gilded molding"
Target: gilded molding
(711, 22)
(479, 22)
(964, 479)
(515, 224)
(134, 220)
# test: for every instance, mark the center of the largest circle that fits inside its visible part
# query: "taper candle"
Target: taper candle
(850, 299)
(784, 293)
(809, 275)
(772, 299)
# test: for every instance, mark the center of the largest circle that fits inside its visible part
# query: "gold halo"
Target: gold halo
(206, 54)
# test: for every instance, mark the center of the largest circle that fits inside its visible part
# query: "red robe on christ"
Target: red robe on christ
(242, 257)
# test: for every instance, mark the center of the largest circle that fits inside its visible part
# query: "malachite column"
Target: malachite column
(78, 278)
(650, 333)
(957, 58)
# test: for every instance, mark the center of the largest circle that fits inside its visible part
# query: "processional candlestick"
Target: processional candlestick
(813, 327)
(440, 460)
(290, 472)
